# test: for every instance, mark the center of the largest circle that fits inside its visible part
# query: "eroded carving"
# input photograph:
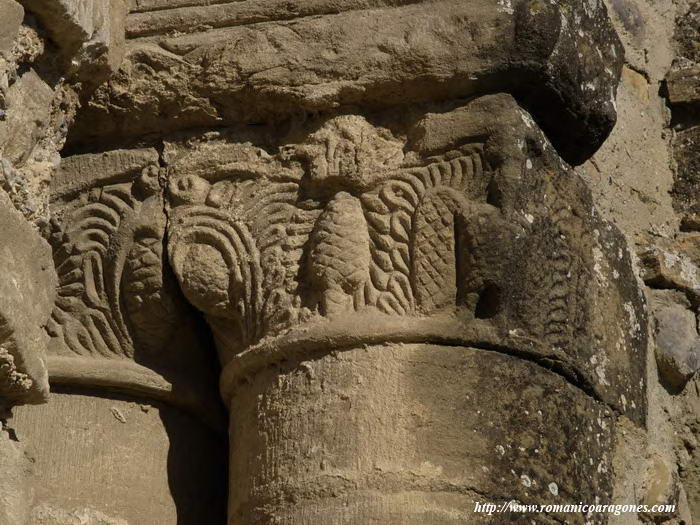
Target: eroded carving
(119, 319)
(100, 248)
(459, 229)
(471, 221)
(27, 293)
(353, 236)
(411, 293)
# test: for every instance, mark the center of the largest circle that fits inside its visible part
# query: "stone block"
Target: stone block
(11, 16)
(27, 290)
(684, 86)
(317, 56)
(677, 345)
(674, 264)
(16, 494)
(115, 460)
(29, 102)
(90, 31)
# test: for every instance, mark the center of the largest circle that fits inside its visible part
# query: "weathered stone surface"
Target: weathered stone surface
(455, 225)
(36, 105)
(687, 154)
(682, 255)
(11, 15)
(683, 89)
(118, 312)
(490, 234)
(364, 435)
(40, 87)
(130, 460)
(688, 35)
(688, 429)
(350, 234)
(661, 488)
(70, 22)
(684, 86)
(79, 173)
(16, 490)
(560, 59)
(22, 129)
(27, 291)
(677, 345)
(416, 302)
(48, 515)
(89, 31)
(674, 264)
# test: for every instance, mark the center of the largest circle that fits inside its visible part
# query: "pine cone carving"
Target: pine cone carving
(340, 256)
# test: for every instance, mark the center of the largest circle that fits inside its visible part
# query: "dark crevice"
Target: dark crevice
(683, 115)
(639, 71)
(489, 303)
(5, 421)
(217, 477)
(11, 432)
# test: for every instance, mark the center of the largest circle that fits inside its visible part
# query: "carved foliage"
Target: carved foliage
(412, 219)
(108, 256)
(260, 254)
(224, 234)
(339, 258)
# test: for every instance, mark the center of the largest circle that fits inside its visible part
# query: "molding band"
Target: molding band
(324, 338)
(127, 377)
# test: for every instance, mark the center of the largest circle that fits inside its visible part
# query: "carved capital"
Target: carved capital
(464, 227)
(119, 321)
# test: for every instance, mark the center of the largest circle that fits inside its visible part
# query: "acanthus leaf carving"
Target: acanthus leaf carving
(108, 252)
(265, 250)
(344, 224)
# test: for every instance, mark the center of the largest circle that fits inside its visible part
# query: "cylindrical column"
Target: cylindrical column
(128, 458)
(411, 434)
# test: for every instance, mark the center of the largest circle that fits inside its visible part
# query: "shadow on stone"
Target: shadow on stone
(131, 459)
